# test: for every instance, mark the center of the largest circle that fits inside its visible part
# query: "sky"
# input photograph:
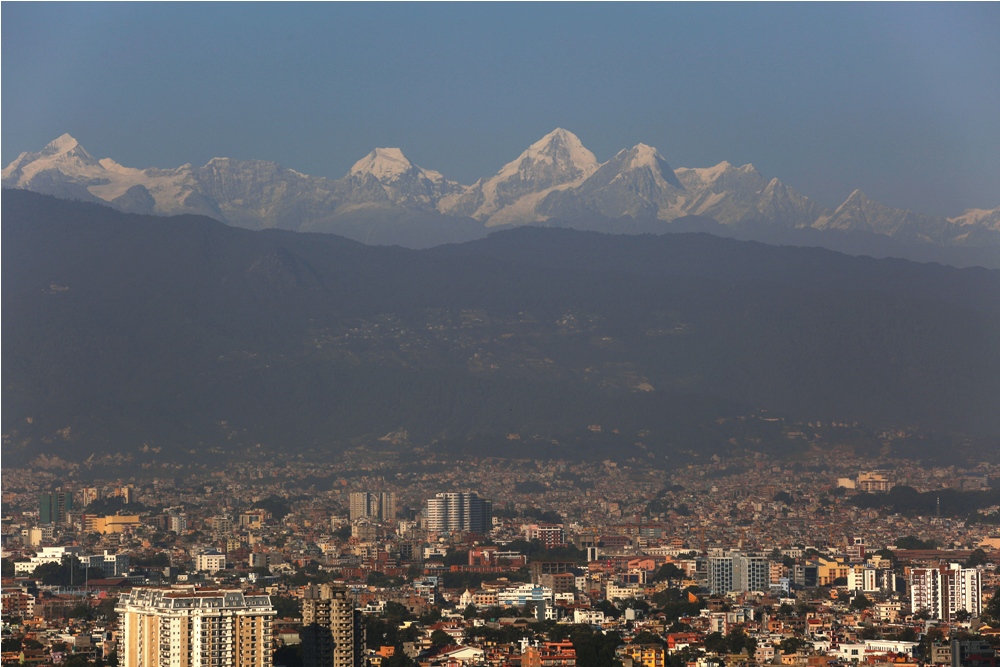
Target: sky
(901, 100)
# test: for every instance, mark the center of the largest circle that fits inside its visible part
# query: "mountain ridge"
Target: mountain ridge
(556, 178)
(124, 329)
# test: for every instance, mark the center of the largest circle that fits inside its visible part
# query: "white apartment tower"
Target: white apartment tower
(738, 572)
(455, 512)
(185, 626)
(944, 591)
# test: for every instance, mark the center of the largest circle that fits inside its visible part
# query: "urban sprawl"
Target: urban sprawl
(741, 561)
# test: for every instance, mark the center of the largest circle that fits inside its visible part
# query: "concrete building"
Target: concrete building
(332, 633)
(454, 512)
(54, 507)
(378, 506)
(210, 561)
(738, 572)
(184, 626)
(944, 591)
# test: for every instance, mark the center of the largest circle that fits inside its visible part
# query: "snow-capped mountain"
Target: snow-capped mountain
(385, 198)
(556, 161)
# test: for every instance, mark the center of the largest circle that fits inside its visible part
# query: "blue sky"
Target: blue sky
(901, 100)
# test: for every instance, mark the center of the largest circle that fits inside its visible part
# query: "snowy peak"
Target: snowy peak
(385, 164)
(559, 154)
(63, 144)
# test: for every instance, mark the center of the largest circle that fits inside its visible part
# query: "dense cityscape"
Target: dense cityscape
(827, 559)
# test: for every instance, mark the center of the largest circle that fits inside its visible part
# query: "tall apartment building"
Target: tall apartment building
(738, 572)
(332, 632)
(453, 512)
(184, 626)
(54, 507)
(944, 591)
(379, 506)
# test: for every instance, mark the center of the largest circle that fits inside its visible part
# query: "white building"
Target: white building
(210, 561)
(944, 591)
(588, 617)
(738, 572)
(522, 595)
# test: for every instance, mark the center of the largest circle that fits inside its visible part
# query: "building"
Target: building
(112, 565)
(738, 572)
(332, 633)
(646, 655)
(210, 561)
(184, 626)
(550, 654)
(874, 482)
(54, 507)
(454, 512)
(114, 523)
(46, 555)
(549, 534)
(946, 590)
(378, 506)
(177, 523)
(90, 494)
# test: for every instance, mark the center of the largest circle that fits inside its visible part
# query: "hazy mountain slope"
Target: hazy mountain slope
(123, 330)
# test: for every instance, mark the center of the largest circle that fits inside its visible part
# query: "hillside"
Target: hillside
(123, 331)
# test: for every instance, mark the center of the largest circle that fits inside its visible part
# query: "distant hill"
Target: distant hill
(124, 331)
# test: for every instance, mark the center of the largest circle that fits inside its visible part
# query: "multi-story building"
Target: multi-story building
(184, 626)
(874, 482)
(89, 494)
(332, 633)
(550, 654)
(177, 523)
(379, 506)
(112, 565)
(738, 572)
(549, 534)
(210, 561)
(54, 507)
(454, 512)
(944, 591)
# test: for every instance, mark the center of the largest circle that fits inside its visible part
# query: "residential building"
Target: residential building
(184, 626)
(210, 561)
(454, 512)
(738, 572)
(54, 507)
(332, 633)
(946, 590)
(378, 506)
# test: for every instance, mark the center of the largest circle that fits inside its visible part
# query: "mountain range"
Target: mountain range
(557, 181)
(126, 333)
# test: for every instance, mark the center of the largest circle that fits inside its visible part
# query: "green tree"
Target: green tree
(977, 558)
(860, 602)
(441, 638)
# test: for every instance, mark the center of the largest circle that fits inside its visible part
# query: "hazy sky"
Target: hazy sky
(901, 100)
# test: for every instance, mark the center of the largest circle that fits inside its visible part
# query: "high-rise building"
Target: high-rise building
(378, 506)
(453, 512)
(332, 632)
(738, 572)
(89, 494)
(54, 507)
(946, 590)
(184, 626)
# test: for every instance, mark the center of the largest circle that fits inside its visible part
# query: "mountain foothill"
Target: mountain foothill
(127, 332)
